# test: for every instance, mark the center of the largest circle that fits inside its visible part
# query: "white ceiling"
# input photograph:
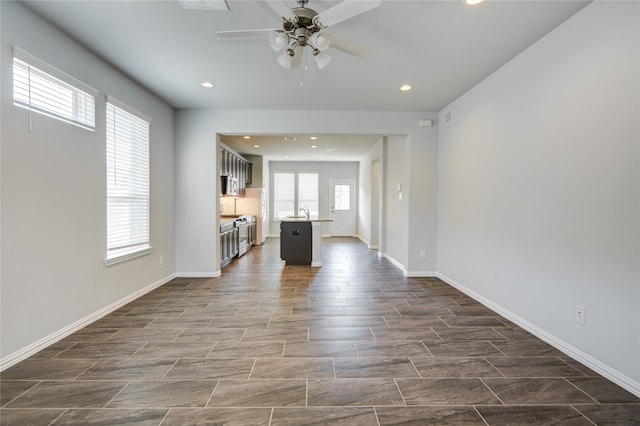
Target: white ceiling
(441, 48)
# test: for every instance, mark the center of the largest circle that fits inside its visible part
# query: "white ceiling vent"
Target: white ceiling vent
(204, 4)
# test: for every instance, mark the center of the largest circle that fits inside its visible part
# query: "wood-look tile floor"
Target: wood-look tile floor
(352, 343)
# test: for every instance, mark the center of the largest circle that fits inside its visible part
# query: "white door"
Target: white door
(342, 207)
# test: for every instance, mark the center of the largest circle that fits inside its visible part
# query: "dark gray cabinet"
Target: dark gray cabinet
(228, 243)
(295, 242)
(232, 164)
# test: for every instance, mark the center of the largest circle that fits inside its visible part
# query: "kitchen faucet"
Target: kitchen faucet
(305, 209)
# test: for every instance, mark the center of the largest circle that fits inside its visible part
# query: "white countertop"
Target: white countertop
(305, 219)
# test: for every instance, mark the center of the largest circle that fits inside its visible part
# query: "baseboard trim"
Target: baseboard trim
(575, 353)
(199, 274)
(361, 238)
(418, 274)
(395, 263)
(56, 336)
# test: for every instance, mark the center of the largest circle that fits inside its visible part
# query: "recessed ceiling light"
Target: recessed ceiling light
(472, 2)
(246, 137)
(256, 146)
(405, 87)
(313, 138)
(314, 146)
(286, 156)
(207, 84)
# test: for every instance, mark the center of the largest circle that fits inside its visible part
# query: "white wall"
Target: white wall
(539, 183)
(396, 210)
(423, 170)
(370, 195)
(363, 228)
(53, 197)
(195, 168)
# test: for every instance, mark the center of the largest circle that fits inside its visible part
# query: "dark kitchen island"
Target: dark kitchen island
(301, 240)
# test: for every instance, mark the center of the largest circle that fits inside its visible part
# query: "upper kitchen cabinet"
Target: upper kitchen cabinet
(234, 165)
(255, 171)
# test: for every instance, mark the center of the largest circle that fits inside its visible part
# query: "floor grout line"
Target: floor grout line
(334, 305)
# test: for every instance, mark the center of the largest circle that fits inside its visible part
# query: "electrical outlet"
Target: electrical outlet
(580, 314)
(161, 259)
(423, 254)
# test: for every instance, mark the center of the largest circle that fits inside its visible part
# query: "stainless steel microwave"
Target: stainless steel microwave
(229, 185)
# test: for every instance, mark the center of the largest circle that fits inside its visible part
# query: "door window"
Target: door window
(342, 197)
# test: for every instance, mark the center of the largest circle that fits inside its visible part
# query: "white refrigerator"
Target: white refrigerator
(254, 203)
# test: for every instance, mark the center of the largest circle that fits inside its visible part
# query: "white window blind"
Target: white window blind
(127, 183)
(42, 88)
(284, 194)
(308, 192)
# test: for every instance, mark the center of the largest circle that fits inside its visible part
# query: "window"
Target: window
(342, 197)
(293, 191)
(127, 183)
(308, 192)
(284, 203)
(39, 87)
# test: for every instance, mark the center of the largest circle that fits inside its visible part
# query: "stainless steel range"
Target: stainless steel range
(243, 231)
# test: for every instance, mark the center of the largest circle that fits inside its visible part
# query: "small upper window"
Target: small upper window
(40, 87)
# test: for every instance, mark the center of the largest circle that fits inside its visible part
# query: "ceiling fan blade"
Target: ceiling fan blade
(245, 33)
(349, 46)
(282, 9)
(345, 10)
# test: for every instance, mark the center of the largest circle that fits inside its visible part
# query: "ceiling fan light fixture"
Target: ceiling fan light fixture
(286, 59)
(303, 27)
(278, 40)
(322, 58)
(320, 41)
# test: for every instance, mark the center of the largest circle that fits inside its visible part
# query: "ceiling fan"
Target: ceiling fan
(304, 27)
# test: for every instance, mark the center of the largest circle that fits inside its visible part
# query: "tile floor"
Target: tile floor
(352, 343)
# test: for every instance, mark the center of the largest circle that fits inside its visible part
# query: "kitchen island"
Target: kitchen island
(301, 240)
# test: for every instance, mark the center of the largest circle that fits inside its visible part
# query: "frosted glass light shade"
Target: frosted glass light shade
(320, 41)
(278, 40)
(322, 59)
(285, 60)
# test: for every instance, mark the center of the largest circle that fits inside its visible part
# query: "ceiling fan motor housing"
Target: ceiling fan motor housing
(305, 20)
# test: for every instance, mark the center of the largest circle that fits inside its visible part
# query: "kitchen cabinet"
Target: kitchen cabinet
(228, 242)
(232, 164)
(295, 242)
(248, 171)
(252, 226)
(301, 240)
